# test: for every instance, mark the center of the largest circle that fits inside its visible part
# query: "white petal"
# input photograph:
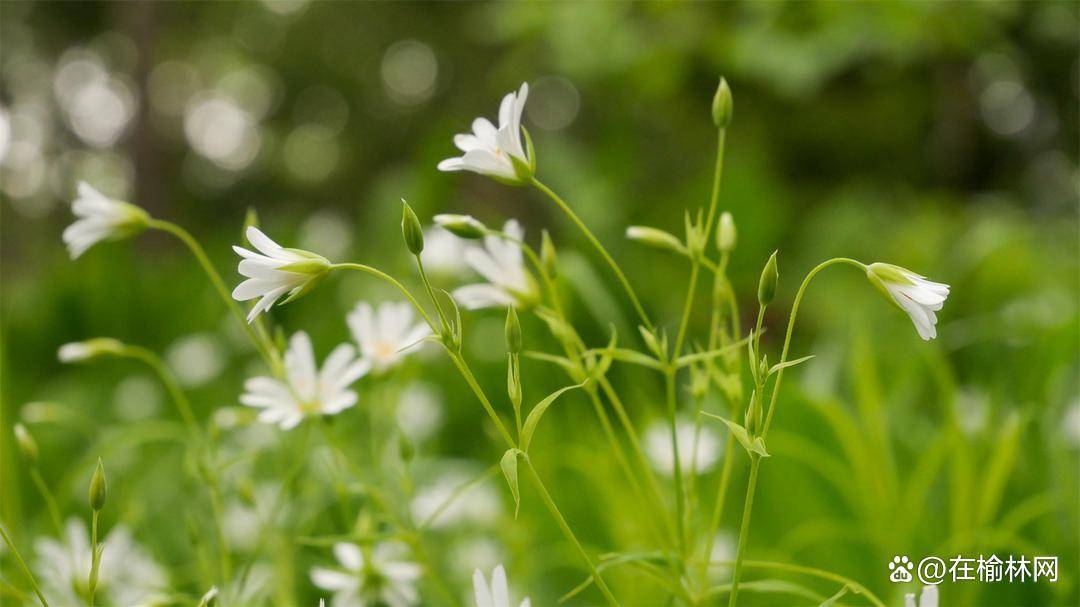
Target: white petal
(328, 579)
(481, 590)
(475, 297)
(349, 555)
(300, 365)
(262, 242)
(500, 594)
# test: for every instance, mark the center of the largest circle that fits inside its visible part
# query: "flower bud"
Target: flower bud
(411, 230)
(722, 105)
(548, 258)
(767, 285)
(462, 226)
(513, 331)
(98, 489)
(26, 443)
(725, 232)
(80, 351)
(658, 239)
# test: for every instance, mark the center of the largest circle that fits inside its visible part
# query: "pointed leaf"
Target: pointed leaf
(600, 369)
(508, 463)
(741, 435)
(538, 412)
(758, 446)
(790, 363)
(572, 369)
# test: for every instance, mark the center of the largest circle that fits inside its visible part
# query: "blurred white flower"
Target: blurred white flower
(367, 576)
(100, 218)
(246, 520)
(479, 504)
(196, 358)
(658, 446)
(81, 351)
(306, 390)
(1072, 424)
(127, 575)
(498, 593)
(495, 152)
(276, 272)
(919, 297)
(724, 548)
(419, 411)
(443, 252)
(502, 264)
(927, 598)
(387, 335)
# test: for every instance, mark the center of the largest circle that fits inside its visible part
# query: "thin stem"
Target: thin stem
(431, 293)
(569, 533)
(791, 327)
(680, 499)
(390, 279)
(224, 558)
(814, 571)
(22, 565)
(599, 248)
(153, 361)
(257, 334)
(50, 501)
(95, 559)
(470, 379)
(744, 532)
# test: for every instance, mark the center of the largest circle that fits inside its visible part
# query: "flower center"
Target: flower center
(384, 350)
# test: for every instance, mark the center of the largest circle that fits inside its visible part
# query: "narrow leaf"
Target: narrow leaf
(739, 433)
(790, 363)
(538, 412)
(508, 463)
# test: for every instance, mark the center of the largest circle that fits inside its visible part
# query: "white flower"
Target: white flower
(100, 218)
(502, 264)
(376, 576)
(81, 351)
(385, 336)
(306, 390)
(658, 446)
(478, 504)
(443, 252)
(927, 598)
(419, 411)
(496, 595)
(919, 297)
(127, 575)
(495, 152)
(276, 272)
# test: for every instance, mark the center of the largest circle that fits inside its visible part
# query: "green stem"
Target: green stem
(155, 363)
(95, 560)
(470, 379)
(680, 505)
(262, 341)
(22, 565)
(744, 531)
(391, 280)
(569, 533)
(820, 573)
(431, 293)
(599, 248)
(224, 558)
(50, 501)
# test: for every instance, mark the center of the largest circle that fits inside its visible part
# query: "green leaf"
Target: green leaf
(599, 369)
(790, 363)
(572, 369)
(834, 599)
(508, 463)
(751, 444)
(687, 359)
(629, 356)
(538, 412)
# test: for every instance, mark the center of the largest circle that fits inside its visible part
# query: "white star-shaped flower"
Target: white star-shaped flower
(100, 218)
(498, 593)
(501, 262)
(914, 294)
(385, 336)
(306, 390)
(275, 272)
(495, 152)
(383, 579)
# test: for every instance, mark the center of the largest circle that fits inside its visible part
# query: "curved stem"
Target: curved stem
(256, 333)
(431, 293)
(569, 533)
(50, 501)
(744, 531)
(470, 379)
(814, 571)
(791, 327)
(599, 248)
(167, 379)
(390, 279)
(22, 565)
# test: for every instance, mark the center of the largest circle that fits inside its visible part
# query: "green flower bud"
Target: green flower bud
(462, 226)
(98, 488)
(548, 258)
(26, 443)
(767, 285)
(725, 232)
(411, 230)
(722, 105)
(653, 237)
(513, 331)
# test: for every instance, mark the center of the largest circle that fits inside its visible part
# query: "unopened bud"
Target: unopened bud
(411, 230)
(548, 258)
(26, 443)
(725, 232)
(462, 226)
(722, 105)
(513, 331)
(767, 285)
(98, 488)
(653, 237)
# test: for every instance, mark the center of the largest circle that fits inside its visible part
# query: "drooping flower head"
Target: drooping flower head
(127, 575)
(387, 335)
(306, 391)
(495, 152)
(100, 218)
(501, 262)
(377, 576)
(81, 351)
(275, 271)
(912, 293)
(498, 593)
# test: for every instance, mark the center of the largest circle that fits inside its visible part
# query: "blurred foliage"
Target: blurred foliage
(938, 136)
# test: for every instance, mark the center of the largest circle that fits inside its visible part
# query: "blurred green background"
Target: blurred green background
(937, 136)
